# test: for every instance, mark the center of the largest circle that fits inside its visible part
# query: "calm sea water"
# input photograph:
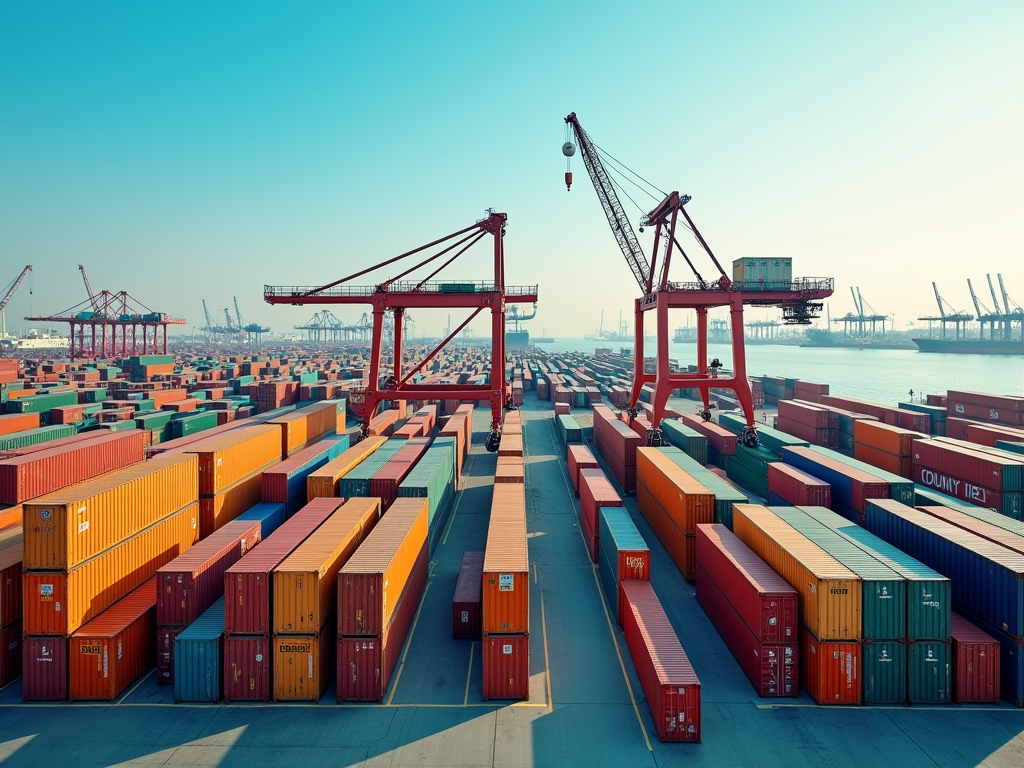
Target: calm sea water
(879, 375)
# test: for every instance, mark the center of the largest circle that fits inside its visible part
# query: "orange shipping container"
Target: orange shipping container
(69, 526)
(505, 599)
(324, 481)
(218, 510)
(228, 458)
(113, 649)
(59, 602)
(511, 444)
(829, 592)
(11, 516)
(680, 547)
(898, 465)
(885, 437)
(307, 424)
(372, 582)
(304, 665)
(16, 422)
(510, 469)
(305, 584)
(830, 671)
(682, 497)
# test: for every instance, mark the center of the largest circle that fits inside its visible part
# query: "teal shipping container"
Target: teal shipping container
(686, 439)
(199, 657)
(36, 436)
(772, 439)
(270, 515)
(749, 468)
(433, 478)
(725, 494)
(884, 672)
(357, 482)
(568, 429)
(95, 395)
(192, 423)
(929, 597)
(884, 591)
(42, 403)
(930, 663)
(623, 554)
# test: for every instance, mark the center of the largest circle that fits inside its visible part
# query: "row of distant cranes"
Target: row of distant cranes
(1002, 318)
(232, 330)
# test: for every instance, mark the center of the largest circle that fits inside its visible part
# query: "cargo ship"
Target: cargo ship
(35, 340)
(971, 346)
(821, 338)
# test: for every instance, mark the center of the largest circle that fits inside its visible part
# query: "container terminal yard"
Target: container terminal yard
(197, 571)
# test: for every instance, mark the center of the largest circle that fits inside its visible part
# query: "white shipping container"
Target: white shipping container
(771, 273)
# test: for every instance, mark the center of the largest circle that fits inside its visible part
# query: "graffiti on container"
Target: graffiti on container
(954, 486)
(634, 562)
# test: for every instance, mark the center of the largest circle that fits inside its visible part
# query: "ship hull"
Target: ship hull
(970, 346)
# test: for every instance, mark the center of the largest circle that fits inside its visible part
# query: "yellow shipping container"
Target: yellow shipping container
(221, 508)
(226, 459)
(681, 496)
(324, 481)
(59, 602)
(306, 583)
(309, 424)
(69, 526)
(304, 665)
(830, 593)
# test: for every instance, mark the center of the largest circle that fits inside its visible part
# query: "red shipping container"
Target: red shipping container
(366, 663)
(666, 675)
(194, 581)
(863, 485)
(113, 649)
(988, 434)
(248, 583)
(10, 653)
(959, 488)
(466, 609)
(595, 492)
(165, 637)
(247, 664)
(827, 438)
(830, 671)
(773, 669)
(44, 668)
(797, 488)
(506, 667)
(10, 584)
(804, 413)
(958, 428)
(999, 402)
(761, 598)
(39, 473)
(975, 663)
(385, 481)
(969, 464)
(579, 457)
(719, 438)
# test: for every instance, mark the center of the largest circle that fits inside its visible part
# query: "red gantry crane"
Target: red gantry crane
(799, 298)
(397, 294)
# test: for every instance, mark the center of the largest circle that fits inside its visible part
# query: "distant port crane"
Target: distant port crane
(799, 299)
(111, 323)
(7, 297)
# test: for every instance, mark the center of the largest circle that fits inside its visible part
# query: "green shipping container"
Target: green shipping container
(42, 403)
(929, 664)
(154, 420)
(884, 672)
(725, 495)
(745, 477)
(884, 591)
(771, 439)
(568, 429)
(357, 482)
(36, 436)
(96, 395)
(929, 597)
(686, 439)
(192, 423)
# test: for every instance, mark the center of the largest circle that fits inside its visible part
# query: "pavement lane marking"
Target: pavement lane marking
(451, 518)
(469, 673)
(547, 663)
(408, 643)
(140, 682)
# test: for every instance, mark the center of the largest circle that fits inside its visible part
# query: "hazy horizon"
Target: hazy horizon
(193, 150)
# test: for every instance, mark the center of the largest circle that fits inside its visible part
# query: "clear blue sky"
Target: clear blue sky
(190, 150)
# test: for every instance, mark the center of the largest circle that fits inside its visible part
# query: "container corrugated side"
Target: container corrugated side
(371, 583)
(248, 583)
(623, 555)
(288, 479)
(579, 457)
(930, 666)
(306, 582)
(45, 668)
(324, 481)
(830, 670)
(595, 492)
(506, 666)
(975, 664)
(59, 602)
(830, 593)
(248, 660)
(226, 459)
(506, 580)
(69, 526)
(669, 682)
(466, 615)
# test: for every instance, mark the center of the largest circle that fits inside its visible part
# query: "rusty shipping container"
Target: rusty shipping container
(595, 492)
(506, 666)
(248, 583)
(59, 602)
(579, 457)
(42, 472)
(247, 663)
(306, 582)
(976, 668)
(666, 675)
(765, 602)
(106, 655)
(506, 577)
(830, 670)
(304, 664)
(324, 481)
(466, 606)
(366, 663)
(829, 592)
(371, 583)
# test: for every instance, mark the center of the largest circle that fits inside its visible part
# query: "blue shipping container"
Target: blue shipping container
(270, 514)
(198, 657)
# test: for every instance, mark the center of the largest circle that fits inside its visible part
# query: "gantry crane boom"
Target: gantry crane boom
(93, 298)
(209, 322)
(995, 298)
(938, 299)
(613, 210)
(1006, 297)
(238, 312)
(974, 298)
(7, 297)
